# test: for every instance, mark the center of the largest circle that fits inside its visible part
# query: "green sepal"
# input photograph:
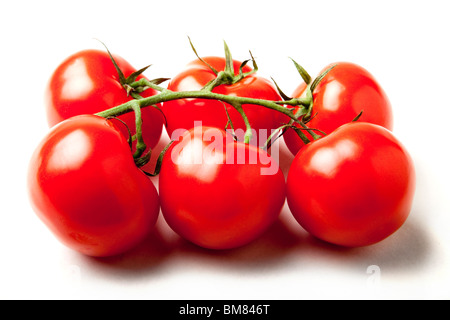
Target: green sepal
(158, 81)
(310, 90)
(206, 63)
(132, 78)
(130, 136)
(301, 134)
(271, 138)
(229, 66)
(142, 161)
(159, 161)
(122, 78)
(303, 73)
(282, 94)
(320, 78)
(358, 116)
(243, 75)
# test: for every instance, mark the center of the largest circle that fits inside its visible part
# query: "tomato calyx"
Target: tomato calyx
(159, 161)
(227, 76)
(311, 86)
(303, 107)
(134, 88)
(141, 158)
(129, 83)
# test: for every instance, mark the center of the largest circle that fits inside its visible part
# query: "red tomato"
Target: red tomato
(340, 97)
(218, 193)
(181, 114)
(87, 83)
(85, 187)
(354, 187)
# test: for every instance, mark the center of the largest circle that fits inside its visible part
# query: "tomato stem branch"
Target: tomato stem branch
(248, 132)
(168, 95)
(237, 102)
(140, 144)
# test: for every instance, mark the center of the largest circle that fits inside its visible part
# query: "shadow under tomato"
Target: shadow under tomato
(408, 249)
(163, 249)
(268, 251)
(285, 243)
(146, 257)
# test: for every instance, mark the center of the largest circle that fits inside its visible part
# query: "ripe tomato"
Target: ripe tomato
(340, 97)
(85, 187)
(218, 193)
(181, 114)
(354, 187)
(87, 83)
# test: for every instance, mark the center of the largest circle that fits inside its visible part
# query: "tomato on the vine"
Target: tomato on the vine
(87, 82)
(183, 113)
(218, 193)
(84, 185)
(344, 92)
(354, 187)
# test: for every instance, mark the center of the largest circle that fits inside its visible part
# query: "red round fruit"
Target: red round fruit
(218, 193)
(87, 83)
(345, 92)
(84, 185)
(354, 187)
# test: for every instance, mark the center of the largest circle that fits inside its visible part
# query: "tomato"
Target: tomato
(183, 113)
(87, 83)
(218, 193)
(84, 185)
(354, 187)
(339, 98)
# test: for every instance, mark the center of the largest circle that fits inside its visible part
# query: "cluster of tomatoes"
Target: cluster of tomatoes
(353, 186)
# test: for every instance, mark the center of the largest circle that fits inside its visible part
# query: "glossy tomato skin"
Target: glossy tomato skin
(339, 98)
(84, 185)
(182, 114)
(87, 83)
(354, 187)
(214, 198)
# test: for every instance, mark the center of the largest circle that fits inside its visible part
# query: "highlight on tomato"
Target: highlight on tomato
(341, 95)
(84, 185)
(354, 187)
(218, 193)
(91, 81)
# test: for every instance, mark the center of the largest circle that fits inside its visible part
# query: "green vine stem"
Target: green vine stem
(140, 144)
(248, 131)
(168, 95)
(297, 109)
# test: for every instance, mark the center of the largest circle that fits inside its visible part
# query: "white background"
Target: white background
(403, 43)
